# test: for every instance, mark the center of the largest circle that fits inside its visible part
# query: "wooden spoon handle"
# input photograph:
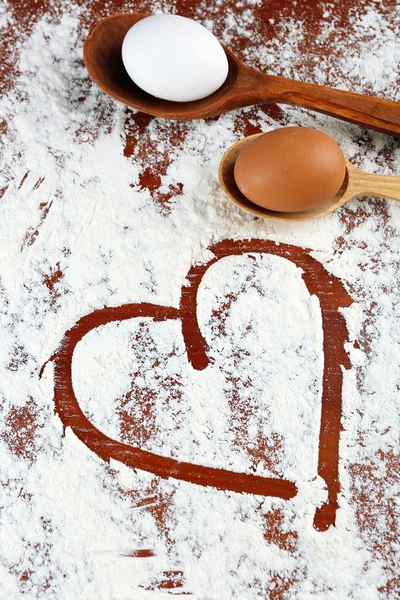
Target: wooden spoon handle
(367, 111)
(370, 184)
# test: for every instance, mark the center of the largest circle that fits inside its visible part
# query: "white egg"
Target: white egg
(174, 58)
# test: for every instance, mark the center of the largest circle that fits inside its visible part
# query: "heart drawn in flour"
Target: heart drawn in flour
(331, 294)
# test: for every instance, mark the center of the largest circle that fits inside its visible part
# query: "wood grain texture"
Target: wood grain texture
(319, 282)
(356, 183)
(368, 495)
(243, 87)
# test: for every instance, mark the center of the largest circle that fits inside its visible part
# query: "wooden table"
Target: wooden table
(368, 490)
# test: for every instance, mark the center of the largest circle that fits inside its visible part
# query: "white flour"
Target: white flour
(74, 213)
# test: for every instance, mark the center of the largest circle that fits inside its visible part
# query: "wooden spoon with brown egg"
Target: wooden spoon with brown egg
(355, 182)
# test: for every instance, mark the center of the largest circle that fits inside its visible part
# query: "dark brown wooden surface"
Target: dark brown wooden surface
(22, 420)
(320, 283)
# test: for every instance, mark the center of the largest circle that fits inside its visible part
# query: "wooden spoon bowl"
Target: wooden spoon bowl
(103, 59)
(356, 183)
(244, 86)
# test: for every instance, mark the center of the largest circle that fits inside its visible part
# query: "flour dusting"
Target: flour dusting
(103, 206)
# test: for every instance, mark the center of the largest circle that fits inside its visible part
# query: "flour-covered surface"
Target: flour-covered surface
(104, 207)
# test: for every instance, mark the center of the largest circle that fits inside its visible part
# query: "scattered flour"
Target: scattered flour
(80, 231)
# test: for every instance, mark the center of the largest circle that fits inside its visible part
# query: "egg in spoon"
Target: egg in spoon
(296, 174)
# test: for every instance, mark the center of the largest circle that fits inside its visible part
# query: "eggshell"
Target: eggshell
(292, 169)
(174, 58)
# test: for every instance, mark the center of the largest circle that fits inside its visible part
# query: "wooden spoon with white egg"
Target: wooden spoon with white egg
(355, 183)
(243, 86)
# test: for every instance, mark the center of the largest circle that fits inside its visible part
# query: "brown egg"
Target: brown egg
(290, 169)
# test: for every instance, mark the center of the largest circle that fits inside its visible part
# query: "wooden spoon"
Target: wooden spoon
(243, 86)
(356, 183)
